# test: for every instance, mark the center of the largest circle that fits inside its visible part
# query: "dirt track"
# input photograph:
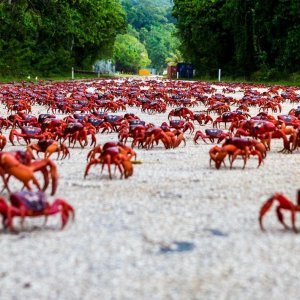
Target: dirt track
(176, 229)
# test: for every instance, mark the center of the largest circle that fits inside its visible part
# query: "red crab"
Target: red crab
(284, 204)
(28, 133)
(242, 143)
(295, 112)
(112, 153)
(202, 118)
(157, 106)
(267, 131)
(179, 125)
(22, 119)
(114, 120)
(43, 117)
(211, 134)
(138, 134)
(78, 132)
(270, 104)
(100, 124)
(19, 164)
(3, 141)
(99, 149)
(18, 105)
(5, 123)
(170, 139)
(228, 117)
(255, 128)
(181, 112)
(234, 147)
(48, 147)
(289, 120)
(218, 107)
(33, 204)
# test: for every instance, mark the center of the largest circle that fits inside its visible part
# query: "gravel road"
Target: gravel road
(176, 229)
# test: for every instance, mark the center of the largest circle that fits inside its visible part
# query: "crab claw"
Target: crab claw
(41, 165)
(66, 210)
(284, 204)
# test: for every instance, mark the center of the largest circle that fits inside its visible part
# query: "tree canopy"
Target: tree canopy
(240, 36)
(151, 22)
(50, 35)
(130, 54)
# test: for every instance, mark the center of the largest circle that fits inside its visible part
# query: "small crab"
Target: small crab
(211, 134)
(25, 204)
(112, 154)
(28, 133)
(49, 146)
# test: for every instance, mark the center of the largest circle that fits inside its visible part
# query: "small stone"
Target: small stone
(27, 285)
(216, 232)
(178, 247)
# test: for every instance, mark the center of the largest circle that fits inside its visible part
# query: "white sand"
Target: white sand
(114, 249)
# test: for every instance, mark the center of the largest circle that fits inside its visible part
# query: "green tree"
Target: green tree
(278, 25)
(240, 36)
(51, 35)
(16, 38)
(153, 22)
(160, 43)
(130, 54)
(174, 58)
(206, 41)
(145, 13)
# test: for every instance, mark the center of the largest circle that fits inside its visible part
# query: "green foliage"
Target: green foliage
(240, 36)
(153, 25)
(174, 58)
(160, 43)
(50, 35)
(145, 13)
(206, 41)
(130, 54)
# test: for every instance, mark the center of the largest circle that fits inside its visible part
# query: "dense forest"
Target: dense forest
(249, 38)
(50, 36)
(151, 23)
(245, 38)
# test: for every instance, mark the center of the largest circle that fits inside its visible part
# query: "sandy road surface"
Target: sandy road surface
(176, 229)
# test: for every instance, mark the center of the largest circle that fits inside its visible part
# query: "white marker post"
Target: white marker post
(72, 73)
(177, 75)
(219, 75)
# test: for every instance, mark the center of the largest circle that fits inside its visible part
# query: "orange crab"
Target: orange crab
(3, 141)
(234, 147)
(28, 133)
(49, 146)
(112, 153)
(284, 204)
(122, 148)
(19, 164)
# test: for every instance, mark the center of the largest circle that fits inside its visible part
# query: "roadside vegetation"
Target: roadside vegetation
(256, 41)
